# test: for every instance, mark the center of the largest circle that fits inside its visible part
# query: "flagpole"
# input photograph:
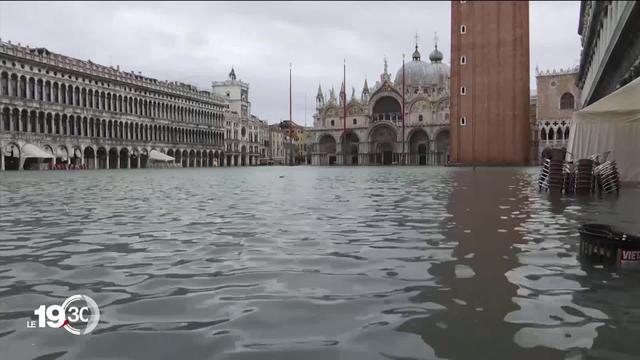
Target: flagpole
(304, 150)
(290, 122)
(402, 161)
(344, 111)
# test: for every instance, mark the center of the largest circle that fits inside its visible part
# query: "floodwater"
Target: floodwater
(312, 263)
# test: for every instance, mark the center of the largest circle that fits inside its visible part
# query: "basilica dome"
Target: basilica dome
(420, 73)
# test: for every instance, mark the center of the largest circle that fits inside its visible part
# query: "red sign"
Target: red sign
(630, 255)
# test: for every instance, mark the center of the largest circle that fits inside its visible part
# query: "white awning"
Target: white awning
(32, 151)
(157, 155)
(77, 153)
(610, 124)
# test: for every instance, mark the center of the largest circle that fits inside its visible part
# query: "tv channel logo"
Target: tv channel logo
(78, 314)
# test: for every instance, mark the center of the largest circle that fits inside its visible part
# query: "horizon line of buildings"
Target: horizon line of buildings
(58, 109)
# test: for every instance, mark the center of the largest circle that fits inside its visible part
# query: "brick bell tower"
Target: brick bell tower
(489, 83)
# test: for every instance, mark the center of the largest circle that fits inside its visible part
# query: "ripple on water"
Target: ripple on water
(289, 263)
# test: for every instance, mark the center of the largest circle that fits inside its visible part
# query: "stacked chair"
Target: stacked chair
(585, 176)
(607, 178)
(551, 177)
(569, 172)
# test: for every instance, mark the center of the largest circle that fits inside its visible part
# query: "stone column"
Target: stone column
(129, 161)
(138, 160)
(118, 160)
(107, 160)
(1, 159)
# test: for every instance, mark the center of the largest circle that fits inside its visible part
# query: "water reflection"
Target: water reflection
(353, 263)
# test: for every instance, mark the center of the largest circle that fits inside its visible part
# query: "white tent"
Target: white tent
(32, 151)
(158, 156)
(610, 124)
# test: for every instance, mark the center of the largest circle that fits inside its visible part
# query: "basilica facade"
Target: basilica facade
(373, 133)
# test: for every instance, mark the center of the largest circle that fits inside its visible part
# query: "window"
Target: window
(463, 29)
(463, 90)
(355, 122)
(463, 60)
(333, 122)
(567, 101)
(420, 118)
(463, 121)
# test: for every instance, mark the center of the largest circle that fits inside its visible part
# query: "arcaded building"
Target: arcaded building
(374, 133)
(84, 113)
(490, 83)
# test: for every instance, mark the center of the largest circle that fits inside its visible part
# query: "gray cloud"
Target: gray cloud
(199, 42)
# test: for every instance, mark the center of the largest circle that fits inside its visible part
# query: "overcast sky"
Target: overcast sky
(199, 42)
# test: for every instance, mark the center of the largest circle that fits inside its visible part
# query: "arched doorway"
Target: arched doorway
(185, 158)
(89, 157)
(144, 158)
(442, 147)
(382, 142)
(11, 155)
(170, 153)
(418, 147)
(62, 155)
(198, 159)
(124, 158)
(101, 157)
(327, 148)
(49, 149)
(351, 144)
(113, 158)
(178, 157)
(192, 158)
(243, 155)
(133, 159)
(210, 159)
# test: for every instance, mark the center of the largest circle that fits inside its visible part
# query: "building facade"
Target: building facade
(490, 82)
(278, 145)
(610, 56)
(245, 133)
(372, 132)
(557, 99)
(98, 116)
(298, 140)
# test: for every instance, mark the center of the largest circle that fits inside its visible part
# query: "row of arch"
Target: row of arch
(383, 148)
(554, 133)
(21, 86)
(22, 120)
(101, 157)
